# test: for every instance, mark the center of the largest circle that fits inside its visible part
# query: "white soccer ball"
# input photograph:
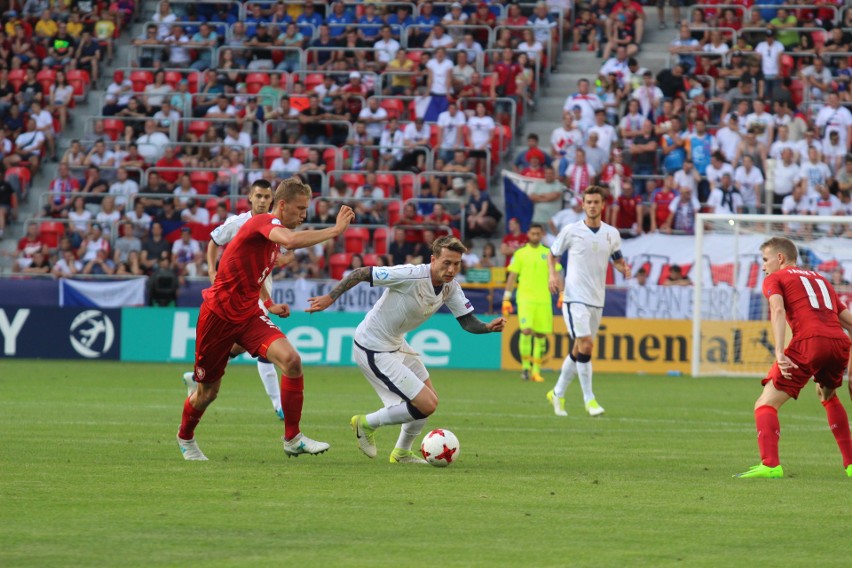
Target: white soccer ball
(440, 447)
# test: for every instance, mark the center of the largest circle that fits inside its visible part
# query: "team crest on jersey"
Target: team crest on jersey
(199, 373)
(275, 221)
(381, 273)
(543, 256)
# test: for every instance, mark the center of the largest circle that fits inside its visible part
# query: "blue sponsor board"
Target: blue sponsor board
(60, 333)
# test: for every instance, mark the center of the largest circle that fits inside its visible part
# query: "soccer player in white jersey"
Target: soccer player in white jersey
(413, 293)
(260, 198)
(591, 244)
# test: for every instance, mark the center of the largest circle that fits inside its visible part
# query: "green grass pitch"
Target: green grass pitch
(90, 475)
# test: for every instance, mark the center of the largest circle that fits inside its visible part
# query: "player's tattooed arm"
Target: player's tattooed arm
(354, 278)
(473, 324)
(319, 303)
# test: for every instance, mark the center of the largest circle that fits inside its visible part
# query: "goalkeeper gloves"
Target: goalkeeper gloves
(507, 304)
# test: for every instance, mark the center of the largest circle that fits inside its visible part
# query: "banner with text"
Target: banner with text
(675, 302)
(624, 345)
(321, 339)
(60, 333)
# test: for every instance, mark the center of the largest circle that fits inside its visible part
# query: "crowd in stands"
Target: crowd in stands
(406, 110)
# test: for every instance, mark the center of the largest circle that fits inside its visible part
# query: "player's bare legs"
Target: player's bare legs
(285, 356)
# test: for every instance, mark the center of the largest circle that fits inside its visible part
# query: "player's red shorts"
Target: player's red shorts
(822, 358)
(214, 337)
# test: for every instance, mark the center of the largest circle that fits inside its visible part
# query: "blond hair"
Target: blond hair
(783, 245)
(290, 188)
(449, 243)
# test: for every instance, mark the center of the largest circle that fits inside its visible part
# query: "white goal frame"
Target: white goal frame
(697, 276)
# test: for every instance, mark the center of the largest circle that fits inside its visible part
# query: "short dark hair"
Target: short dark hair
(536, 226)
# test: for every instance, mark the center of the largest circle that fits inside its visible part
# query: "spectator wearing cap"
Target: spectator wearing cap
(770, 52)
(521, 160)
(454, 18)
(354, 92)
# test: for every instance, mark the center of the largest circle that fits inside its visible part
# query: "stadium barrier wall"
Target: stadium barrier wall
(625, 345)
(321, 339)
(65, 333)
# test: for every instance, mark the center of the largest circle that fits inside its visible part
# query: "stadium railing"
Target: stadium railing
(741, 11)
(332, 155)
(311, 79)
(796, 9)
(395, 184)
(452, 30)
(134, 53)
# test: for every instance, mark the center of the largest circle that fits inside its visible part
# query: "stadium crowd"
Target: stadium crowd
(406, 111)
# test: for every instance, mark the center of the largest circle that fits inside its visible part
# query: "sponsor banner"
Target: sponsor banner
(625, 345)
(102, 293)
(64, 333)
(321, 339)
(676, 302)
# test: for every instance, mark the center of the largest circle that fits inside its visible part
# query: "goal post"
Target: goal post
(730, 323)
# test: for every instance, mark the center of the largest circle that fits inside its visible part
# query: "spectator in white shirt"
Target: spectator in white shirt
(762, 121)
(770, 52)
(235, 138)
(391, 145)
(152, 144)
(649, 95)
(375, 117)
(450, 125)
(194, 213)
(835, 117)
(814, 172)
(728, 138)
(606, 132)
(749, 182)
(787, 176)
(725, 199)
(386, 48)
(123, 188)
(783, 142)
(285, 165)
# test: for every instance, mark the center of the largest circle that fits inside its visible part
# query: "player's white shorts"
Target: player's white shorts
(581, 320)
(397, 377)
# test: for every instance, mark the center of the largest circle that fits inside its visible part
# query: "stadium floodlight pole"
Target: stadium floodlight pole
(733, 221)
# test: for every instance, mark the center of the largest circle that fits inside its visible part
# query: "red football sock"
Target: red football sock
(292, 398)
(838, 421)
(189, 421)
(768, 433)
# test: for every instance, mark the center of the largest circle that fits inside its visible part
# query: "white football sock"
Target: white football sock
(584, 371)
(269, 377)
(396, 414)
(408, 433)
(569, 369)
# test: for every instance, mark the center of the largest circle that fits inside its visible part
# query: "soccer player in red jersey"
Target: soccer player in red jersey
(819, 349)
(230, 314)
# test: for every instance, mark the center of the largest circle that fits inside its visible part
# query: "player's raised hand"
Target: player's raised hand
(280, 310)
(319, 303)
(496, 325)
(507, 308)
(345, 216)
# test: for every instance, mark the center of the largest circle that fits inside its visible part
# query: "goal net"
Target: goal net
(730, 327)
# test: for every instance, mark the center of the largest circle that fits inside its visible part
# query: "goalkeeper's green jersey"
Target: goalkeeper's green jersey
(530, 264)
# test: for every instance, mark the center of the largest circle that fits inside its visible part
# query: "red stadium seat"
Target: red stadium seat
(211, 204)
(17, 77)
(270, 153)
(354, 181)
(202, 181)
(198, 127)
(312, 80)
(394, 107)
(242, 205)
(79, 79)
(338, 263)
(51, 232)
(23, 174)
(113, 127)
(387, 182)
(394, 212)
(355, 239)
(256, 81)
(172, 79)
(140, 79)
(380, 241)
(433, 135)
(300, 153)
(406, 187)
(329, 156)
(47, 78)
(370, 259)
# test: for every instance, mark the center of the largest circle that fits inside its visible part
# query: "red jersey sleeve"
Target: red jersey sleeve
(771, 285)
(265, 223)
